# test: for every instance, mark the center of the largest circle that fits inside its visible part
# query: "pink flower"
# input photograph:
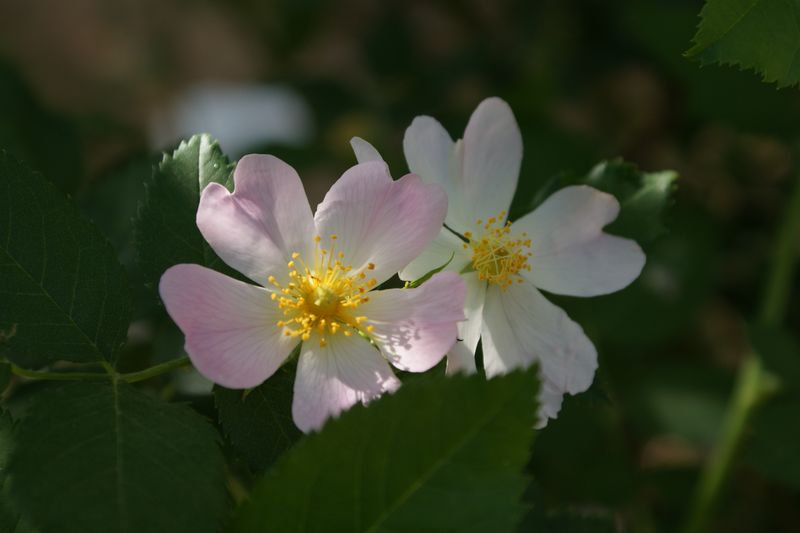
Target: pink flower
(315, 276)
(559, 248)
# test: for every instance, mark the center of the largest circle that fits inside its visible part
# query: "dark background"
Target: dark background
(92, 90)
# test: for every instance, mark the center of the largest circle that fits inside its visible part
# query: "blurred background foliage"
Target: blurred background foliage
(91, 91)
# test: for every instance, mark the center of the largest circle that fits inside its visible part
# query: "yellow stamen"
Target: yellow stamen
(322, 297)
(497, 256)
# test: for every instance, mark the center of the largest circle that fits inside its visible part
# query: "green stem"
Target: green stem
(58, 376)
(110, 373)
(157, 370)
(751, 380)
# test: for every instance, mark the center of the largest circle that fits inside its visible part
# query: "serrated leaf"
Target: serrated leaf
(441, 454)
(108, 457)
(65, 295)
(763, 35)
(166, 231)
(259, 423)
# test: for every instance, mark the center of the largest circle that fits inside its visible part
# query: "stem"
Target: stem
(750, 382)
(110, 373)
(58, 376)
(157, 370)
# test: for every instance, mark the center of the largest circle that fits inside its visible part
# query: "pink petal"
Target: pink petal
(416, 327)
(230, 326)
(571, 254)
(437, 253)
(380, 221)
(520, 327)
(492, 156)
(333, 378)
(364, 151)
(460, 360)
(256, 229)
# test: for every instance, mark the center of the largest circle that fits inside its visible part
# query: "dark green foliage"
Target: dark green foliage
(65, 295)
(126, 460)
(166, 231)
(441, 454)
(762, 35)
(780, 353)
(775, 440)
(5, 375)
(259, 422)
(40, 137)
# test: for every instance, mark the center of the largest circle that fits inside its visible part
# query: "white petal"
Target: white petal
(230, 327)
(550, 400)
(431, 154)
(520, 327)
(256, 228)
(444, 247)
(364, 151)
(333, 378)
(571, 254)
(491, 159)
(416, 327)
(469, 331)
(460, 360)
(380, 221)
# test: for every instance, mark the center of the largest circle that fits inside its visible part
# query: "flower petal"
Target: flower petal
(571, 254)
(256, 228)
(520, 327)
(333, 378)
(550, 400)
(230, 330)
(492, 156)
(430, 153)
(416, 327)
(469, 331)
(378, 220)
(460, 360)
(437, 253)
(364, 151)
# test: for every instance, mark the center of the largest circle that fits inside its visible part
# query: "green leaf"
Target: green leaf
(8, 515)
(441, 454)
(166, 231)
(417, 282)
(108, 457)
(643, 196)
(774, 440)
(259, 422)
(763, 35)
(780, 353)
(65, 295)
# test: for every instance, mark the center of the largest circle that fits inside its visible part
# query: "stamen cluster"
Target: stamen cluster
(323, 297)
(497, 256)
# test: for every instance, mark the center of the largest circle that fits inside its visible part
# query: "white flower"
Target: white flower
(315, 276)
(559, 247)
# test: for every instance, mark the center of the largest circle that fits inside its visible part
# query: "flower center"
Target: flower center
(322, 297)
(497, 255)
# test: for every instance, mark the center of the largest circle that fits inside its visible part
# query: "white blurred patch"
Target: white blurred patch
(191, 383)
(240, 117)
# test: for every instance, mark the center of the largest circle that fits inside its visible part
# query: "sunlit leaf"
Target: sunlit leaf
(762, 35)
